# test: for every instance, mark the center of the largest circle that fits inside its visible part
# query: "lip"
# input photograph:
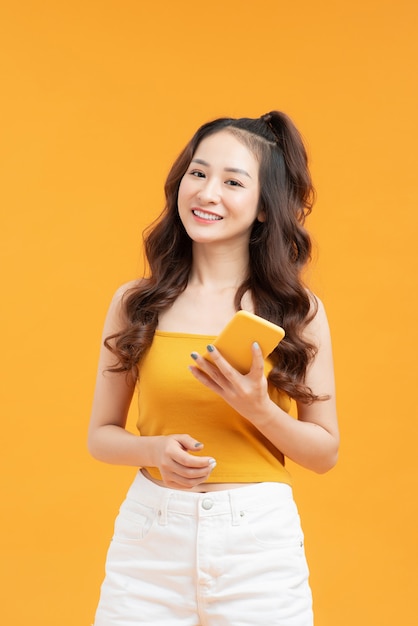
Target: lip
(199, 215)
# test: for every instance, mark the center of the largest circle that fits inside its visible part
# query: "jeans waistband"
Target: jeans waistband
(232, 501)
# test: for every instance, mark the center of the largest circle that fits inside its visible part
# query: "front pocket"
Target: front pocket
(134, 522)
(275, 526)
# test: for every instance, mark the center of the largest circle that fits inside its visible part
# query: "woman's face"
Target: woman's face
(218, 195)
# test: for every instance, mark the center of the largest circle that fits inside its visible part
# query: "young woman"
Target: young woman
(209, 533)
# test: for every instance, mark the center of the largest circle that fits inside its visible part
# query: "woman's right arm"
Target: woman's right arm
(109, 441)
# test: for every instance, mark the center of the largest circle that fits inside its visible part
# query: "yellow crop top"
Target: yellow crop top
(172, 401)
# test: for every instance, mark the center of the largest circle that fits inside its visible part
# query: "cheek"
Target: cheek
(255, 206)
(184, 191)
(180, 196)
(183, 200)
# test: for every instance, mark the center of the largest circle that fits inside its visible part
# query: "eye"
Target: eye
(197, 173)
(234, 183)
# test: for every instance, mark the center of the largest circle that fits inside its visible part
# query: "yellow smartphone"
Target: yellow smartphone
(236, 339)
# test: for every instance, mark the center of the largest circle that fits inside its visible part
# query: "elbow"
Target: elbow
(327, 464)
(327, 461)
(92, 446)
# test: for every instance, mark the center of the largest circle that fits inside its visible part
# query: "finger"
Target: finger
(183, 456)
(189, 443)
(218, 365)
(257, 364)
(193, 463)
(194, 472)
(189, 478)
(204, 364)
(178, 482)
(207, 373)
(206, 379)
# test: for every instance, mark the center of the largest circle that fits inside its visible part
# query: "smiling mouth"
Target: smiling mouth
(206, 216)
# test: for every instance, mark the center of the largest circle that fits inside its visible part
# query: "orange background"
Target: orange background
(97, 99)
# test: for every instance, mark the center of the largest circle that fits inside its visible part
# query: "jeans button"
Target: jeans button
(207, 504)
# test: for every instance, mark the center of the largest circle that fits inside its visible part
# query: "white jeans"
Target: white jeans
(225, 558)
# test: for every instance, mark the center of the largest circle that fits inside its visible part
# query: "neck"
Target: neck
(220, 269)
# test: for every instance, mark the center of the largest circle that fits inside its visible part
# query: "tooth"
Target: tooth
(206, 216)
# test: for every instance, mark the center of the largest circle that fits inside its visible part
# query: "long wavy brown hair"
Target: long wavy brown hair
(279, 249)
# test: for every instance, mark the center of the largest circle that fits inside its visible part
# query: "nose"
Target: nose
(209, 193)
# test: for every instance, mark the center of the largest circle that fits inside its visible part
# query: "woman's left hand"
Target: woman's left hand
(247, 394)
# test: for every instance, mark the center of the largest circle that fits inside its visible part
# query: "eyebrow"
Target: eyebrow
(235, 170)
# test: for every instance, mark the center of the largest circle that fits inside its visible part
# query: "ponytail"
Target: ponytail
(289, 141)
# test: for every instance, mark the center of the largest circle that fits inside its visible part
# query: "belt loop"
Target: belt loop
(235, 514)
(162, 511)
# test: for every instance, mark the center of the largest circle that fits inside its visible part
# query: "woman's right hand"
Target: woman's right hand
(179, 469)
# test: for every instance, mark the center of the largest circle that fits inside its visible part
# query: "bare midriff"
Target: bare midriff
(202, 488)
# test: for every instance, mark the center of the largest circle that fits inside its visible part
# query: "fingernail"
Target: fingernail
(212, 462)
(256, 346)
(194, 355)
(198, 444)
(210, 348)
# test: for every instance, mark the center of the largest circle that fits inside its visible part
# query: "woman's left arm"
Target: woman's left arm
(313, 439)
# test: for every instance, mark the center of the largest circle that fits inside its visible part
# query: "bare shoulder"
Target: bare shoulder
(128, 287)
(124, 290)
(317, 329)
(116, 313)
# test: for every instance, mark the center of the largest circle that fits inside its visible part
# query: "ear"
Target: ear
(261, 217)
